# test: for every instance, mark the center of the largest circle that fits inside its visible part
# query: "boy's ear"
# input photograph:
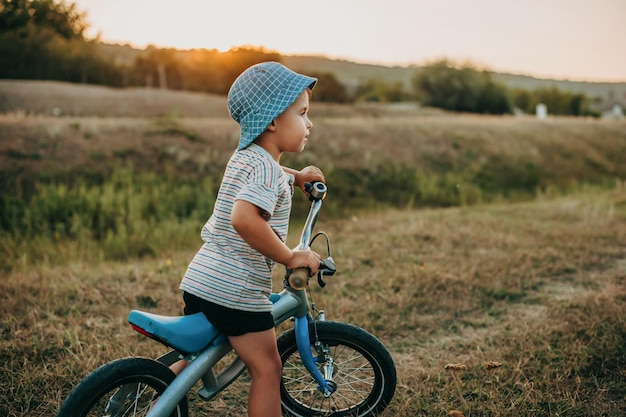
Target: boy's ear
(272, 126)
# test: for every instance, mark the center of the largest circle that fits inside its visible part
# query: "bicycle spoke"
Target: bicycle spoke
(352, 373)
(302, 387)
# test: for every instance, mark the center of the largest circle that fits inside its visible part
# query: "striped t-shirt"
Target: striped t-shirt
(226, 270)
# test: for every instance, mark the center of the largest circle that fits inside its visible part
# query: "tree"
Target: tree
(557, 101)
(44, 39)
(465, 89)
(329, 89)
(521, 99)
(62, 18)
(199, 68)
(163, 67)
(379, 90)
(493, 98)
(235, 61)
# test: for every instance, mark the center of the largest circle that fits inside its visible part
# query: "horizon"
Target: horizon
(357, 62)
(532, 39)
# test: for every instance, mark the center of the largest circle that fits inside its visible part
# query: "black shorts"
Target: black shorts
(227, 320)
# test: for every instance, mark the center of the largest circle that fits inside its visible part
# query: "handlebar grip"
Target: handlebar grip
(299, 278)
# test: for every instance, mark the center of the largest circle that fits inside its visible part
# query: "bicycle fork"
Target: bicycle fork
(325, 382)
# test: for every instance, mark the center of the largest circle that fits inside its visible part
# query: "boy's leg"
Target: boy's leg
(178, 366)
(259, 352)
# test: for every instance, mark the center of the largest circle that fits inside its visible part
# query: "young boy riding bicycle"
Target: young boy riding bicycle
(229, 279)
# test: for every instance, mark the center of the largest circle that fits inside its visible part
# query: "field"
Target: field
(496, 296)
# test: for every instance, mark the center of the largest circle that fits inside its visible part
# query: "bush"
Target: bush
(329, 89)
(381, 91)
(463, 89)
(129, 215)
(505, 177)
(558, 102)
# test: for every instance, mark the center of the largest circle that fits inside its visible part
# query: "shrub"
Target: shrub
(129, 215)
(463, 89)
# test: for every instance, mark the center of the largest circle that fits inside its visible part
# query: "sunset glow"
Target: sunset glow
(565, 39)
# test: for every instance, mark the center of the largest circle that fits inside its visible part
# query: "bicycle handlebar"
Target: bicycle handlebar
(316, 190)
(299, 278)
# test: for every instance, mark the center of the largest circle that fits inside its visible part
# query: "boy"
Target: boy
(229, 279)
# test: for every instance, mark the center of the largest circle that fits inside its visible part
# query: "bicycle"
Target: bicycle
(329, 368)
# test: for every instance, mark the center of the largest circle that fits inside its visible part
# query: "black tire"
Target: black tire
(134, 382)
(364, 373)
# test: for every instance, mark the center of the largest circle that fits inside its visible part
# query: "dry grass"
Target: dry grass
(343, 137)
(55, 98)
(514, 309)
(192, 135)
(505, 309)
(535, 287)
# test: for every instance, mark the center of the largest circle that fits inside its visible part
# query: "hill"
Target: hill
(351, 74)
(66, 99)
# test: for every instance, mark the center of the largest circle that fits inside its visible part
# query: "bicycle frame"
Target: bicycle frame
(287, 304)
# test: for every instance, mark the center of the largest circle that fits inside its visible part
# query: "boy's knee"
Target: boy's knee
(278, 367)
(275, 367)
(270, 369)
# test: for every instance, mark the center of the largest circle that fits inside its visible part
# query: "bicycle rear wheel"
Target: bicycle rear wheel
(125, 387)
(363, 372)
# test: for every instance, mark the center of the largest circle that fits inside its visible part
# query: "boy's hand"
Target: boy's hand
(308, 174)
(304, 259)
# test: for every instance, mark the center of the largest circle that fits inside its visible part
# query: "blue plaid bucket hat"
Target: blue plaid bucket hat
(260, 94)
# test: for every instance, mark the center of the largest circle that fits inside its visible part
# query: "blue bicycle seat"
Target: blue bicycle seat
(187, 334)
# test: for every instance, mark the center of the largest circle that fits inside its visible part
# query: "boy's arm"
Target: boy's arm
(308, 174)
(247, 220)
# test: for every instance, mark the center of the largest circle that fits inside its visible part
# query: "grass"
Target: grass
(487, 253)
(505, 309)
(61, 177)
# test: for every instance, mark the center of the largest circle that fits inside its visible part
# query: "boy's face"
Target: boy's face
(293, 125)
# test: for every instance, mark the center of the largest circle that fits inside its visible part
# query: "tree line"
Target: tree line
(45, 40)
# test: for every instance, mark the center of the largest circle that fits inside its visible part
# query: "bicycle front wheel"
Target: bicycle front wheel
(125, 387)
(362, 371)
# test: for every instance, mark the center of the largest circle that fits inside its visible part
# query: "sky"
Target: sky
(578, 40)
